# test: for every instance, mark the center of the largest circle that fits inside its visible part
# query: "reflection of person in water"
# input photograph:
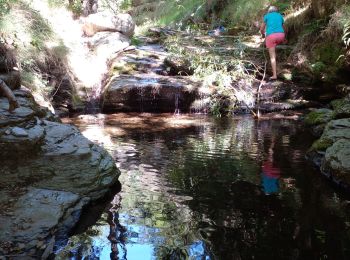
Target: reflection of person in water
(270, 174)
(117, 233)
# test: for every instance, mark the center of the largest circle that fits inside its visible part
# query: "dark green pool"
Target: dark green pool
(204, 188)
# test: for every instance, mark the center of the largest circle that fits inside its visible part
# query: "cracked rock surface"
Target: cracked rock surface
(49, 172)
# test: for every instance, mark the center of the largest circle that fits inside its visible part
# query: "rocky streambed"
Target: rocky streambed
(49, 172)
(151, 79)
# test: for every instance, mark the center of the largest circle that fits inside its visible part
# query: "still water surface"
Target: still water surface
(195, 187)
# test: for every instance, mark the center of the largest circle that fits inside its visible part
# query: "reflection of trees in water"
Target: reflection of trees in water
(218, 166)
(321, 230)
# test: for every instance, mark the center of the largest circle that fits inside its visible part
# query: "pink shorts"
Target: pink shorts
(274, 39)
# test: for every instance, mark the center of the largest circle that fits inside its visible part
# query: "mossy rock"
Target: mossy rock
(321, 144)
(328, 53)
(126, 68)
(319, 116)
(335, 130)
(302, 77)
(341, 108)
(337, 163)
(325, 63)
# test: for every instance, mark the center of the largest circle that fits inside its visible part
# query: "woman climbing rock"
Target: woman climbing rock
(273, 30)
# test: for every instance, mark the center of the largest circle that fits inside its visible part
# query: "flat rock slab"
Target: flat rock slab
(337, 129)
(34, 215)
(28, 109)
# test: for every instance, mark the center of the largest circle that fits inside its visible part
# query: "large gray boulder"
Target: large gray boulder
(49, 172)
(336, 130)
(34, 215)
(106, 45)
(153, 93)
(332, 152)
(337, 161)
(107, 21)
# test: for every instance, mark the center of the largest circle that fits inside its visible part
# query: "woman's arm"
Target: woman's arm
(262, 29)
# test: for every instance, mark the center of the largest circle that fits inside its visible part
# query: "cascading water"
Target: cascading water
(93, 101)
(177, 109)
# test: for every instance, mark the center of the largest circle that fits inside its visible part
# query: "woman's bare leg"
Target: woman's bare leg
(272, 52)
(7, 92)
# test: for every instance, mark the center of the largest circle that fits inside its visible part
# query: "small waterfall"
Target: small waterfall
(140, 89)
(93, 102)
(177, 109)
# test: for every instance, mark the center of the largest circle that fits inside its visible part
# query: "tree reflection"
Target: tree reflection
(201, 194)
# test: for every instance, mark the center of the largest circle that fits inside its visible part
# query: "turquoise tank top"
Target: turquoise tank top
(274, 23)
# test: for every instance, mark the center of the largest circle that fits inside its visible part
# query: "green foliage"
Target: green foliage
(76, 7)
(341, 108)
(116, 5)
(225, 72)
(56, 3)
(318, 67)
(283, 5)
(174, 12)
(243, 12)
(325, 61)
(328, 52)
(135, 41)
(314, 26)
(29, 33)
(125, 4)
(5, 6)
